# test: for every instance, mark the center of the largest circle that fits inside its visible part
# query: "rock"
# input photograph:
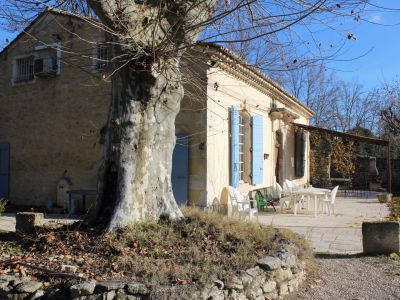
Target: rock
(5, 283)
(271, 296)
(245, 278)
(17, 280)
(219, 284)
(283, 289)
(38, 294)
(269, 263)
(252, 293)
(136, 288)
(109, 295)
(110, 285)
(381, 237)
(269, 286)
(83, 289)
(253, 272)
(234, 283)
(290, 247)
(257, 282)
(215, 294)
(288, 259)
(234, 295)
(69, 268)
(28, 287)
(281, 275)
(21, 296)
(27, 221)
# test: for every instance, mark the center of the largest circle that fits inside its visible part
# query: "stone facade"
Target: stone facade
(54, 124)
(273, 277)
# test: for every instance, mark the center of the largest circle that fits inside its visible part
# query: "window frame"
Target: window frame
(16, 69)
(33, 55)
(99, 64)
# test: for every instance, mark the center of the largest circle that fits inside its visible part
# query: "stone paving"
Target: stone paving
(339, 233)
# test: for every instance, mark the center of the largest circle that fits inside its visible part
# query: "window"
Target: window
(24, 69)
(241, 147)
(102, 56)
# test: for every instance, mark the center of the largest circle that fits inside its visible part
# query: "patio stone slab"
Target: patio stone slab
(340, 233)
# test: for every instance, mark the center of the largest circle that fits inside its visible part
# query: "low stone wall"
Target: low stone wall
(272, 278)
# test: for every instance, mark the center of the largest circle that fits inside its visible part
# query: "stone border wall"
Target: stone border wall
(272, 278)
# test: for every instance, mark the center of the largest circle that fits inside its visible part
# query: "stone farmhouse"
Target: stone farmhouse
(235, 125)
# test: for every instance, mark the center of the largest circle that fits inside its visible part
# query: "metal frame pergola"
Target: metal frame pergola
(364, 139)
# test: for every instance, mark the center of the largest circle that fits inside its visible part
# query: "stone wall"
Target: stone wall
(54, 124)
(273, 277)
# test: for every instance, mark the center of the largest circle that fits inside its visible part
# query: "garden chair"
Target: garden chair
(242, 205)
(283, 198)
(329, 201)
(262, 203)
(264, 200)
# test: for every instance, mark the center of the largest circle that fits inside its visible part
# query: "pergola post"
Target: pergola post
(389, 169)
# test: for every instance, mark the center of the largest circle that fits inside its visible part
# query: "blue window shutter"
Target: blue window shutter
(257, 150)
(4, 169)
(234, 147)
(180, 169)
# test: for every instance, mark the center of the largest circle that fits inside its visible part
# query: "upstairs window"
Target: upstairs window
(102, 56)
(24, 69)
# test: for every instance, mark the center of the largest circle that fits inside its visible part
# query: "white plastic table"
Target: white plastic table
(311, 191)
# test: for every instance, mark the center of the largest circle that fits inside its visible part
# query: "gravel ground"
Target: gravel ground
(353, 278)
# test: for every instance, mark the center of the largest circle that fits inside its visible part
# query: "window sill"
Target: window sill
(22, 83)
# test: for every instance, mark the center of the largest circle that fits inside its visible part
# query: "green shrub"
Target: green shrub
(3, 203)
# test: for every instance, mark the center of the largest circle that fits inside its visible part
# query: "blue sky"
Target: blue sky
(378, 45)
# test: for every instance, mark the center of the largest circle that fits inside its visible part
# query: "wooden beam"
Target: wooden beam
(354, 137)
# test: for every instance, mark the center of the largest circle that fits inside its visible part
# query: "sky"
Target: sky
(379, 48)
(374, 57)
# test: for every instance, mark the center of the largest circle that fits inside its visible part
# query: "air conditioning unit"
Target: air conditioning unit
(46, 66)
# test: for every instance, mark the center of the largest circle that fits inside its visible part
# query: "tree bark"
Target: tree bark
(149, 39)
(135, 174)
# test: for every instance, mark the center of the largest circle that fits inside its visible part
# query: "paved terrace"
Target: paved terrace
(339, 233)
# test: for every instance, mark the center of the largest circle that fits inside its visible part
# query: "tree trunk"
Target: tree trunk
(135, 174)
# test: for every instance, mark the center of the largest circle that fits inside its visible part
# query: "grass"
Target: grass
(196, 250)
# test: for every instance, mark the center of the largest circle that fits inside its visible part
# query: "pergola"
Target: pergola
(364, 139)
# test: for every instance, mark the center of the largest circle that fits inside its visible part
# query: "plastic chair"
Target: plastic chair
(242, 205)
(329, 201)
(283, 199)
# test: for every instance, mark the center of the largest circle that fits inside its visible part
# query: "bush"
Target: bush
(195, 250)
(3, 203)
(395, 209)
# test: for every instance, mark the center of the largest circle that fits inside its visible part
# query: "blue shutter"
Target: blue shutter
(257, 150)
(235, 147)
(180, 169)
(4, 169)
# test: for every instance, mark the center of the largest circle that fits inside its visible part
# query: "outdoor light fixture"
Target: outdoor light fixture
(202, 146)
(266, 155)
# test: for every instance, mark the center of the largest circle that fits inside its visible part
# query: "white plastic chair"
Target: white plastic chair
(295, 200)
(242, 205)
(283, 199)
(329, 201)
